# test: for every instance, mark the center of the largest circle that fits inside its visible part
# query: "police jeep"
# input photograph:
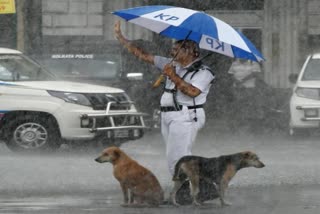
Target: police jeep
(107, 65)
(38, 112)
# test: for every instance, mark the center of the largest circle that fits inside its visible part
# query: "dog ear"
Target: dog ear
(116, 154)
(246, 154)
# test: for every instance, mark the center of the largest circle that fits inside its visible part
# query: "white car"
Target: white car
(305, 99)
(37, 112)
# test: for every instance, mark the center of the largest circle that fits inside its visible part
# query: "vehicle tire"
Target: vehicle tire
(32, 133)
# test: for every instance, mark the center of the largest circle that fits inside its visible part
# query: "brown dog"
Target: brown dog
(144, 187)
(217, 171)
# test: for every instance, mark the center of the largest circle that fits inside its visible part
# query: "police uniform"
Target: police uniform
(179, 126)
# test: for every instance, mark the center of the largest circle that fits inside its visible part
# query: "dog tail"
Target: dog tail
(177, 172)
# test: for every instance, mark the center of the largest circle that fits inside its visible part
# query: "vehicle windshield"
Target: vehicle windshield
(21, 68)
(312, 71)
(82, 66)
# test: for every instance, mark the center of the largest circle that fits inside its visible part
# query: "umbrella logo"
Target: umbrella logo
(215, 45)
(211, 42)
(166, 17)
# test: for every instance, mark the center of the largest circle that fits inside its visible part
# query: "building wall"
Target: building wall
(133, 32)
(87, 18)
(8, 29)
(72, 17)
(287, 27)
(314, 17)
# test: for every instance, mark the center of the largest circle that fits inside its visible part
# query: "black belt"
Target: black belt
(172, 108)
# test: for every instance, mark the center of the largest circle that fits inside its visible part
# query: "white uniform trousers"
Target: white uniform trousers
(179, 130)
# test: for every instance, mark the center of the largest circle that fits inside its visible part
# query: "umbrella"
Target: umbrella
(181, 23)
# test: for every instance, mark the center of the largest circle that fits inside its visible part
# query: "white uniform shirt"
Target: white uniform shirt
(201, 80)
(241, 70)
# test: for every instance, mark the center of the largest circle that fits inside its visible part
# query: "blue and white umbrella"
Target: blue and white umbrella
(181, 23)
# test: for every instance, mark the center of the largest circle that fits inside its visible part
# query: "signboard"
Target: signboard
(7, 6)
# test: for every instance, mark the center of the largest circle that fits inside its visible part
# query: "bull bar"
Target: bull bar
(110, 116)
(309, 118)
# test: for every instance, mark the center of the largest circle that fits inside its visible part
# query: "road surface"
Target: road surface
(70, 181)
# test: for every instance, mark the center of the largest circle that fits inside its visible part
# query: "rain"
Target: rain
(60, 66)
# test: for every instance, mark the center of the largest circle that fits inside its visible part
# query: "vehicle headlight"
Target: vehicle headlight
(310, 93)
(75, 98)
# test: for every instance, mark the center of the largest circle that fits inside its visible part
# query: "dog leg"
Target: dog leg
(131, 198)
(177, 186)
(194, 189)
(125, 193)
(221, 190)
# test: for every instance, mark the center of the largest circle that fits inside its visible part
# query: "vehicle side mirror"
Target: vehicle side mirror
(135, 76)
(293, 78)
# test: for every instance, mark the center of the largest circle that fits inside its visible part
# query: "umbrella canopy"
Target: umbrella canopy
(181, 23)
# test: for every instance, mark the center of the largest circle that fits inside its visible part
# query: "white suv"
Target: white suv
(37, 112)
(305, 99)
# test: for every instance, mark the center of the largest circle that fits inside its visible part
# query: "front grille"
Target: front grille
(100, 101)
(119, 121)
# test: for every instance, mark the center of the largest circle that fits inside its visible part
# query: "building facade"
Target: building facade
(284, 30)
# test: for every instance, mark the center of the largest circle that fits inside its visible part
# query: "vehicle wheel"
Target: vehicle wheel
(32, 133)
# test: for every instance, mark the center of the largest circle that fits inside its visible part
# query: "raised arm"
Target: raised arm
(137, 51)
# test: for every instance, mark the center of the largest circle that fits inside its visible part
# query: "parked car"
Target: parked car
(37, 111)
(107, 66)
(305, 99)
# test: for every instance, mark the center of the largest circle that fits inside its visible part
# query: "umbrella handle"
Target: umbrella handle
(158, 82)
(161, 78)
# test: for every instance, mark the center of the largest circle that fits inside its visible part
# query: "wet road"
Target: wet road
(266, 200)
(71, 182)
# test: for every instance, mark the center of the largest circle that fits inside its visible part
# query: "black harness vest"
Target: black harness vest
(194, 68)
